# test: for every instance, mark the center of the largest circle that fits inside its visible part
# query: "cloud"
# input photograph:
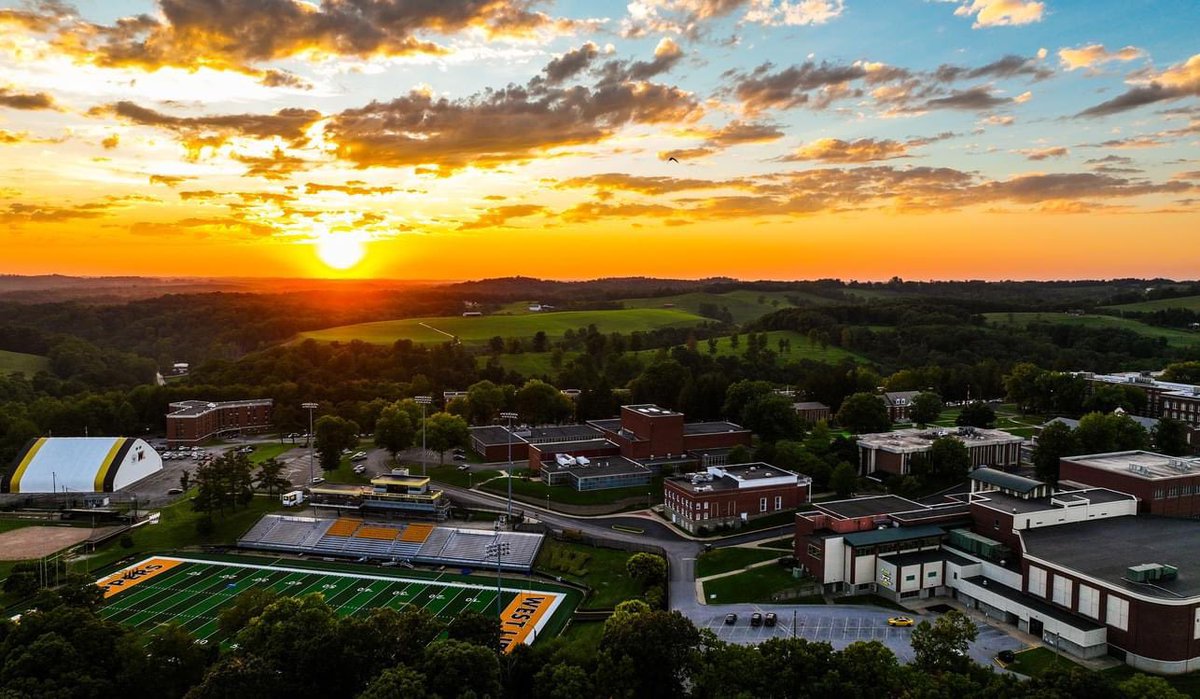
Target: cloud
(570, 64)
(277, 166)
(1044, 153)
(169, 180)
(1176, 82)
(734, 133)
(835, 150)
(690, 17)
(763, 88)
(617, 181)
(240, 35)
(511, 124)
(25, 100)
(111, 141)
(976, 99)
(793, 14)
(205, 227)
(1001, 13)
(354, 188)
(1095, 54)
(1009, 66)
(500, 216)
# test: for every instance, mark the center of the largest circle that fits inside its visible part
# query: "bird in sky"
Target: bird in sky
(672, 159)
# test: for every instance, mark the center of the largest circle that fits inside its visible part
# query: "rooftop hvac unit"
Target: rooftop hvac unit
(583, 460)
(1167, 572)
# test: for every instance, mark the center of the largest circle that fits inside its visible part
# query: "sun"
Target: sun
(340, 251)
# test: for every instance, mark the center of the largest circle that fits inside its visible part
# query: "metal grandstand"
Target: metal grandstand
(390, 541)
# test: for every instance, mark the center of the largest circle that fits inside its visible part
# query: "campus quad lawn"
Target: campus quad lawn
(601, 569)
(732, 558)
(567, 495)
(481, 329)
(262, 452)
(194, 592)
(28, 364)
(450, 475)
(757, 585)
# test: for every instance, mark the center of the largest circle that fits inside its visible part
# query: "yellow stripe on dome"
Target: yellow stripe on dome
(14, 485)
(108, 462)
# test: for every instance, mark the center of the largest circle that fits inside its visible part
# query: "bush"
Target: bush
(126, 541)
(205, 526)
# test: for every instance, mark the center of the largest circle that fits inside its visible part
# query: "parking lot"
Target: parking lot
(838, 626)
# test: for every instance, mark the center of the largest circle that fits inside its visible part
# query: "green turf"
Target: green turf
(601, 569)
(584, 634)
(743, 305)
(787, 543)
(262, 452)
(1174, 338)
(1190, 303)
(194, 593)
(731, 558)
(1035, 661)
(452, 476)
(480, 330)
(568, 495)
(758, 585)
(28, 364)
(529, 364)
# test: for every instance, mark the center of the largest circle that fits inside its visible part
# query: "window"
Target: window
(815, 551)
(762, 504)
(909, 578)
(1116, 613)
(1089, 601)
(931, 574)
(706, 505)
(778, 502)
(1196, 625)
(1037, 581)
(1062, 591)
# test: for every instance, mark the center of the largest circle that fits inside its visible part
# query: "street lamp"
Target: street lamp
(310, 407)
(423, 401)
(498, 549)
(510, 417)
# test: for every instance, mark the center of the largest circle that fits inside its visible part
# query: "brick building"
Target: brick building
(190, 422)
(898, 404)
(892, 452)
(1179, 401)
(811, 412)
(1163, 485)
(732, 495)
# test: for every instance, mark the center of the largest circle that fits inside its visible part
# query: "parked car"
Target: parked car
(175, 491)
(359, 456)
(318, 480)
(756, 619)
(460, 457)
(770, 619)
(900, 621)
(731, 619)
(464, 467)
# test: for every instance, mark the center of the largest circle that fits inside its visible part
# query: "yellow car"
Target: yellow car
(900, 621)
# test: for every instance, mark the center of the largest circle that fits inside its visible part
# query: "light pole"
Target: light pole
(310, 407)
(510, 417)
(423, 401)
(498, 549)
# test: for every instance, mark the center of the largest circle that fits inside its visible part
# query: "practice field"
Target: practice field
(193, 592)
(479, 330)
(28, 364)
(35, 542)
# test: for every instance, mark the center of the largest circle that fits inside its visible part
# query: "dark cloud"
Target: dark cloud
(1176, 82)
(570, 64)
(1009, 66)
(975, 99)
(27, 101)
(764, 88)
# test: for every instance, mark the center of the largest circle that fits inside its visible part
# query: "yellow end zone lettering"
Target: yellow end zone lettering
(128, 577)
(521, 616)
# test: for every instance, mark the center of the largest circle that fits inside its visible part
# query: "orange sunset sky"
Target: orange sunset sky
(677, 138)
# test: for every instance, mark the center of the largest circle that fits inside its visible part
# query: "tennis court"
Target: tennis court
(193, 592)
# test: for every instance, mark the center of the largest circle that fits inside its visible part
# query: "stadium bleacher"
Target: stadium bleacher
(418, 542)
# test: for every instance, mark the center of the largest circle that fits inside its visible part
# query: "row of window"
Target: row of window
(1176, 491)
(1116, 610)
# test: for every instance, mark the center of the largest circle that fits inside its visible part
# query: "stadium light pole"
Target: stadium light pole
(498, 549)
(310, 407)
(423, 401)
(510, 416)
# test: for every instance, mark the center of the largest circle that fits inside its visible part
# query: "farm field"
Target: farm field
(743, 305)
(1174, 338)
(481, 329)
(1190, 303)
(193, 592)
(28, 364)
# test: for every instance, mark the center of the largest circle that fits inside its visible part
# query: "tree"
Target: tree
(1056, 441)
(397, 682)
(942, 645)
(395, 429)
(540, 341)
(1142, 686)
(1098, 432)
(1183, 372)
(862, 413)
(740, 394)
(635, 641)
(484, 400)
(1171, 437)
(843, 479)
(245, 607)
(270, 476)
(1106, 398)
(455, 669)
(660, 383)
(223, 483)
(772, 417)
(539, 403)
(738, 455)
(22, 580)
(477, 628)
(926, 407)
(177, 662)
(946, 461)
(1022, 387)
(712, 346)
(443, 432)
(976, 414)
(333, 434)
(647, 568)
(563, 681)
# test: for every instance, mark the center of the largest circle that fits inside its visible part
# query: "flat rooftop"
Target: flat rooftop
(569, 447)
(1106, 548)
(489, 435)
(599, 467)
(914, 440)
(191, 408)
(755, 471)
(1038, 604)
(718, 427)
(870, 506)
(1133, 378)
(1140, 464)
(994, 499)
(608, 424)
(650, 409)
(927, 556)
(559, 433)
(810, 405)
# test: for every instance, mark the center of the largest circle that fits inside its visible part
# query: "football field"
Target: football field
(193, 592)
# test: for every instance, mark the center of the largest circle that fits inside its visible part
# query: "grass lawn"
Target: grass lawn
(786, 544)
(743, 305)
(1174, 338)
(345, 474)
(585, 634)
(731, 558)
(601, 569)
(568, 495)
(757, 585)
(802, 348)
(1190, 303)
(527, 363)
(28, 364)
(450, 475)
(481, 329)
(262, 452)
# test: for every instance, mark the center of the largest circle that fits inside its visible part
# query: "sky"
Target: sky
(758, 139)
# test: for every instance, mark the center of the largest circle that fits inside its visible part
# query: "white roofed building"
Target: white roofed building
(81, 465)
